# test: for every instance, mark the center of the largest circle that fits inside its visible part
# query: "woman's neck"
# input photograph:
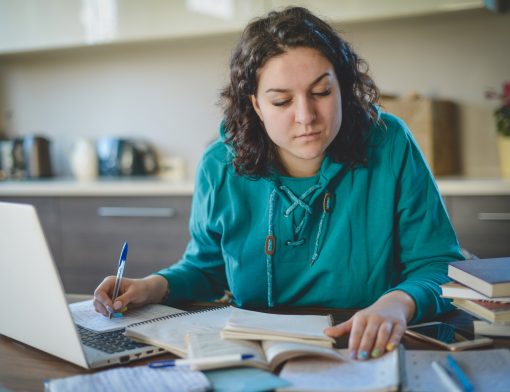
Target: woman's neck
(300, 168)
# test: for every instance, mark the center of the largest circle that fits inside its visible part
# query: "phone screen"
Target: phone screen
(444, 332)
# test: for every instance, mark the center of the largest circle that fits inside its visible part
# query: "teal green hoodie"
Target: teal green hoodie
(340, 239)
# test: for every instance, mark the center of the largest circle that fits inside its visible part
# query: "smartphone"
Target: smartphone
(447, 336)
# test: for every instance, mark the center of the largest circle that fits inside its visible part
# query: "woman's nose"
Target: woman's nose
(305, 112)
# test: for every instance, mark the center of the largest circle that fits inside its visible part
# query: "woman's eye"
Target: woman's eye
(281, 103)
(322, 93)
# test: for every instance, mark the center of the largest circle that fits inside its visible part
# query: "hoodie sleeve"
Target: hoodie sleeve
(425, 239)
(200, 274)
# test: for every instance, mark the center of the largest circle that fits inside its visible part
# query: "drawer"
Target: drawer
(482, 224)
(94, 229)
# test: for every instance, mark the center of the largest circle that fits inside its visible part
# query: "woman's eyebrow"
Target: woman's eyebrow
(284, 90)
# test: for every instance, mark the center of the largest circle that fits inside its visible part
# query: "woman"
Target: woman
(311, 197)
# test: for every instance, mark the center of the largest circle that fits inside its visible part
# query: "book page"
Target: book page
(262, 324)
(170, 333)
(277, 352)
(85, 315)
(210, 344)
(486, 369)
(312, 374)
(134, 379)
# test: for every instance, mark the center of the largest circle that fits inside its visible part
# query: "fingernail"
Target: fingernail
(390, 347)
(376, 352)
(117, 305)
(363, 355)
(353, 354)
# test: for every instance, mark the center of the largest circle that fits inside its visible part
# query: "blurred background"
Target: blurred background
(151, 70)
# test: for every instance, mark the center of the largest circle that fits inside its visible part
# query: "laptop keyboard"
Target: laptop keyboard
(109, 342)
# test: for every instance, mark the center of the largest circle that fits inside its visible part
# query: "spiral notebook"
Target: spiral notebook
(169, 332)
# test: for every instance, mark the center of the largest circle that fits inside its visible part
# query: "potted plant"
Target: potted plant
(502, 116)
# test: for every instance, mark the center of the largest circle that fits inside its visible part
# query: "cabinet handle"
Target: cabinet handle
(136, 212)
(494, 216)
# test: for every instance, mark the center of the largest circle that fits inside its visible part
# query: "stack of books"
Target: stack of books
(482, 288)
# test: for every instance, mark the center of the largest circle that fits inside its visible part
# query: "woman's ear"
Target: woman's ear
(256, 106)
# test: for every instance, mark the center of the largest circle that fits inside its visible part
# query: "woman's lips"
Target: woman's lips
(308, 136)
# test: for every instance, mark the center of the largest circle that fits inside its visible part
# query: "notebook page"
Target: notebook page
(134, 379)
(306, 326)
(380, 374)
(210, 344)
(488, 370)
(170, 333)
(85, 315)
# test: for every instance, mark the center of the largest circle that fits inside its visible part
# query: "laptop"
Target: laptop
(33, 306)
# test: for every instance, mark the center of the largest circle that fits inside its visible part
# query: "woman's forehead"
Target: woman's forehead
(296, 66)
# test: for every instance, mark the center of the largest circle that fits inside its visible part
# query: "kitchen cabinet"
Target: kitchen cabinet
(86, 235)
(482, 223)
(35, 25)
(94, 229)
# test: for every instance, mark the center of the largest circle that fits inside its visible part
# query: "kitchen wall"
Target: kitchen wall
(167, 90)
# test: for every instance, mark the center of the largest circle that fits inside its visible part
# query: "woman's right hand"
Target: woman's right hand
(132, 292)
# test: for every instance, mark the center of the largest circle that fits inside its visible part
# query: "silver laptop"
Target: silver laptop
(33, 307)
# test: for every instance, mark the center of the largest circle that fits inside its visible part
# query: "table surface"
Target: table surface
(24, 368)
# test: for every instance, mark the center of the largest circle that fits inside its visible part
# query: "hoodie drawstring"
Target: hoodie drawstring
(270, 244)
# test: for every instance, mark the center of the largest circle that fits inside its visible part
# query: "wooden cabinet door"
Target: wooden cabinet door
(95, 228)
(482, 224)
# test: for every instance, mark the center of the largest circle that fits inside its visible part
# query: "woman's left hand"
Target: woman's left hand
(377, 328)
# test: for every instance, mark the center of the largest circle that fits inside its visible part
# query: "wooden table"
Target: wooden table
(24, 368)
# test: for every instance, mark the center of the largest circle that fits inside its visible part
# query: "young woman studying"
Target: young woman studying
(312, 195)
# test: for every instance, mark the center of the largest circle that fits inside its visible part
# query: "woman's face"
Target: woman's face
(298, 100)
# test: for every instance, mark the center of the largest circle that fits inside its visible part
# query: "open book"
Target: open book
(375, 375)
(170, 332)
(268, 354)
(410, 370)
(250, 325)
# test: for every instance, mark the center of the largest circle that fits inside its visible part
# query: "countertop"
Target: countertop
(159, 187)
(144, 186)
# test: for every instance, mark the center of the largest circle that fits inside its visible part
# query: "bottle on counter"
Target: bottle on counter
(83, 160)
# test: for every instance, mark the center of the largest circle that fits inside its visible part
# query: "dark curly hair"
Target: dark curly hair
(254, 152)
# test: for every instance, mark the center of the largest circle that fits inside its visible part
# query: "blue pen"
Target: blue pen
(454, 366)
(120, 272)
(198, 362)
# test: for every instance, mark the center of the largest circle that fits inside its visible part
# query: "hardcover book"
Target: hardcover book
(487, 310)
(457, 290)
(491, 329)
(490, 277)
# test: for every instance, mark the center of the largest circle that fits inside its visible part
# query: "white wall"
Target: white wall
(455, 56)
(167, 91)
(163, 91)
